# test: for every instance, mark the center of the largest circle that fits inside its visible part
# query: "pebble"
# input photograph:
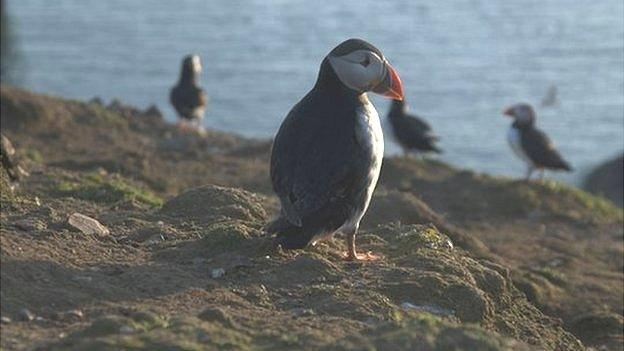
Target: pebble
(25, 315)
(155, 239)
(72, 315)
(217, 273)
(303, 312)
(437, 310)
(87, 225)
(30, 224)
(82, 278)
(126, 329)
(448, 244)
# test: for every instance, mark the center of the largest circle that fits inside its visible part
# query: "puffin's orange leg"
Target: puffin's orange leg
(352, 255)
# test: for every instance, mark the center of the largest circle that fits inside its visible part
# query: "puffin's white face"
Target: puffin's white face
(360, 70)
(521, 112)
(197, 67)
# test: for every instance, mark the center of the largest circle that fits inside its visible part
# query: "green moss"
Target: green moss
(6, 194)
(33, 155)
(227, 236)
(417, 237)
(575, 202)
(150, 332)
(100, 188)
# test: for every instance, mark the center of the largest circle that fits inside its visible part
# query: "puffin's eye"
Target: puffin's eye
(365, 62)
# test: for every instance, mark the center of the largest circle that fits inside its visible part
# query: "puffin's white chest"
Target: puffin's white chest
(513, 138)
(368, 131)
(369, 135)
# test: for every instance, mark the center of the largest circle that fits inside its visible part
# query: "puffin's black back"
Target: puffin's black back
(539, 148)
(186, 96)
(323, 191)
(411, 131)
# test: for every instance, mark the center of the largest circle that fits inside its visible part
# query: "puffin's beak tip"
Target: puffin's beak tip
(394, 89)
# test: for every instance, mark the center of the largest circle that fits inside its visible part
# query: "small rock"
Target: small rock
(437, 310)
(155, 239)
(25, 315)
(87, 225)
(30, 224)
(447, 244)
(69, 316)
(82, 278)
(5, 320)
(126, 329)
(198, 261)
(74, 314)
(303, 312)
(217, 273)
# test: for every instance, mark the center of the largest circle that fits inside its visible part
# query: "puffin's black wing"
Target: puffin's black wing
(540, 149)
(186, 99)
(414, 133)
(318, 169)
(417, 124)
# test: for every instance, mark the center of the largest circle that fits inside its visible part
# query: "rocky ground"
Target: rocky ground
(470, 262)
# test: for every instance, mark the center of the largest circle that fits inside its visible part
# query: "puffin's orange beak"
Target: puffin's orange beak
(391, 85)
(508, 111)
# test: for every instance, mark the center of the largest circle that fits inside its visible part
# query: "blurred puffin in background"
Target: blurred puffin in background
(328, 151)
(187, 97)
(410, 131)
(530, 144)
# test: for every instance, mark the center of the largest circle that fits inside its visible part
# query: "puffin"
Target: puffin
(327, 154)
(410, 131)
(187, 97)
(530, 144)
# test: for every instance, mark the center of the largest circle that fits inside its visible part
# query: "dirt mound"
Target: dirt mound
(199, 273)
(211, 203)
(608, 180)
(564, 246)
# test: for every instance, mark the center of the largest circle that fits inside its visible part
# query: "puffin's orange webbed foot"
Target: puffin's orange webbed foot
(369, 256)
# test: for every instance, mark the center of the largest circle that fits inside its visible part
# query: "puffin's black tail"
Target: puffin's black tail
(562, 164)
(289, 236)
(566, 166)
(434, 148)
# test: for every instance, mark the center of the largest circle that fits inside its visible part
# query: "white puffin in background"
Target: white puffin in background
(530, 144)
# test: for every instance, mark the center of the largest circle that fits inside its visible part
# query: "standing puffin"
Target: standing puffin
(187, 97)
(412, 132)
(531, 144)
(327, 154)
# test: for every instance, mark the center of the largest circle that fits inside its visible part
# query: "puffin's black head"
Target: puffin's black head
(398, 105)
(522, 113)
(362, 67)
(191, 66)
